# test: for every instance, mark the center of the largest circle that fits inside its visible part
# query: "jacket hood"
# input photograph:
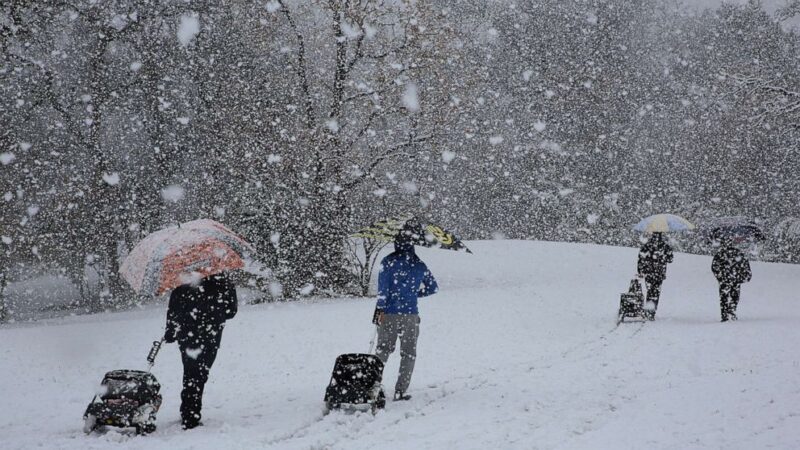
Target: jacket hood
(403, 247)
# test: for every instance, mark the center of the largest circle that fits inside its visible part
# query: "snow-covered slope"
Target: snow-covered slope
(518, 350)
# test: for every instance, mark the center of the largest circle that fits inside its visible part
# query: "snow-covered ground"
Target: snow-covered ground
(44, 296)
(518, 350)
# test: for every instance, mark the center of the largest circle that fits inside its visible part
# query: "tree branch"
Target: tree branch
(301, 66)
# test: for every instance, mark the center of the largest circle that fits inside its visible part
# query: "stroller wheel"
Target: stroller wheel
(89, 423)
(381, 402)
(146, 428)
(377, 398)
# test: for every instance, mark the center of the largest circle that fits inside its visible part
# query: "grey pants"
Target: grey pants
(406, 327)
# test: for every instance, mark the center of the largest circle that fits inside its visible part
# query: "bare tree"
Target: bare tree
(363, 255)
(360, 74)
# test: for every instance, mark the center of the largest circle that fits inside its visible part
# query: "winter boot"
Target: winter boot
(400, 396)
(188, 425)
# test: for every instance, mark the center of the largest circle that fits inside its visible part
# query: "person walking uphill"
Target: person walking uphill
(403, 278)
(654, 256)
(195, 319)
(731, 269)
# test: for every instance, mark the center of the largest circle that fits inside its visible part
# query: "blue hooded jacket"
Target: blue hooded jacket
(403, 278)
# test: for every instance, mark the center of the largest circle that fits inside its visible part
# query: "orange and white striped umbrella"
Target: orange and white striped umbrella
(183, 254)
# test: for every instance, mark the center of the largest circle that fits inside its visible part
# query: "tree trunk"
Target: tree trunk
(4, 316)
(114, 282)
(316, 253)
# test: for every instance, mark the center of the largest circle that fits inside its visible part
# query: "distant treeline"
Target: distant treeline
(297, 122)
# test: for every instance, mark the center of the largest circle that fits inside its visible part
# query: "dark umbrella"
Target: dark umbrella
(736, 229)
(411, 229)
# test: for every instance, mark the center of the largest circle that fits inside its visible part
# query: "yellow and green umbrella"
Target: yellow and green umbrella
(414, 231)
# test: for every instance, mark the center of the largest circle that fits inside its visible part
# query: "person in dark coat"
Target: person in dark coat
(731, 268)
(654, 256)
(195, 319)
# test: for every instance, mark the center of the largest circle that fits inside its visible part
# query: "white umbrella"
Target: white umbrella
(663, 223)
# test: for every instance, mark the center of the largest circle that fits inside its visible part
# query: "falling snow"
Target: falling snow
(332, 125)
(111, 179)
(272, 6)
(297, 123)
(496, 140)
(173, 193)
(188, 29)
(307, 289)
(411, 98)
(6, 158)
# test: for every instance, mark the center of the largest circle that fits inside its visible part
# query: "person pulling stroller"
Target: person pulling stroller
(195, 319)
(731, 268)
(403, 278)
(654, 256)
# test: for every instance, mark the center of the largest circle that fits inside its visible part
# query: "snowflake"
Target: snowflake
(173, 193)
(188, 28)
(112, 179)
(7, 158)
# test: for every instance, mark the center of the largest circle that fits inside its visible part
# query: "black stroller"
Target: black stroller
(129, 398)
(632, 305)
(356, 383)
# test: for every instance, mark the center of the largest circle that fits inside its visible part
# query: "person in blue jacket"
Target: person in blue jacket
(403, 278)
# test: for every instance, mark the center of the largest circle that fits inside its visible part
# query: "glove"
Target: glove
(377, 316)
(169, 337)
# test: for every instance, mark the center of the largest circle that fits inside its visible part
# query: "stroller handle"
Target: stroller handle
(372, 342)
(151, 357)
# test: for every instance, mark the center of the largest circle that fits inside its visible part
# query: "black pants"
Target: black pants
(198, 354)
(654, 291)
(729, 300)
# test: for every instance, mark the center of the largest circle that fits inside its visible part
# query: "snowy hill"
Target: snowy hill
(518, 350)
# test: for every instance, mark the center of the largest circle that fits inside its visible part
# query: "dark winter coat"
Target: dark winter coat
(197, 310)
(403, 278)
(654, 256)
(730, 266)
